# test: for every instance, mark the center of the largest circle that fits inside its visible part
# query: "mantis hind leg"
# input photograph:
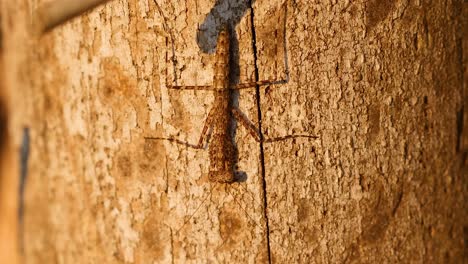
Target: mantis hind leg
(239, 86)
(255, 132)
(247, 85)
(190, 87)
(202, 142)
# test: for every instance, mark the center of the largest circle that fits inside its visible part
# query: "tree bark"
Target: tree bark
(381, 84)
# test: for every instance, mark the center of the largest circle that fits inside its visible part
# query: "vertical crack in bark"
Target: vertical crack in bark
(460, 118)
(460, 115)
(259, 112)
(172, 247)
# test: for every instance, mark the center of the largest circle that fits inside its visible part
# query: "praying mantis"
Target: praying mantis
(218, 130)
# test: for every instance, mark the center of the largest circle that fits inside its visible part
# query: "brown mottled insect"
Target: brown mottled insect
(218, 125)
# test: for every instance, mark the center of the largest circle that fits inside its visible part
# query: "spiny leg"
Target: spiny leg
(241, 86)
(204, 137)
(255, 132)
(244, 120)
(190, 87)
(234, 87)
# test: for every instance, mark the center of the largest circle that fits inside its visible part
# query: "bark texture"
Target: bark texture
(381, 83)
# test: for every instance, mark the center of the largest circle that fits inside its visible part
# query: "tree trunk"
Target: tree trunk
(381, 84)
(12, 85)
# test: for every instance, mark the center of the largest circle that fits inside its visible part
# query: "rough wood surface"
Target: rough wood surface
(380, 83)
